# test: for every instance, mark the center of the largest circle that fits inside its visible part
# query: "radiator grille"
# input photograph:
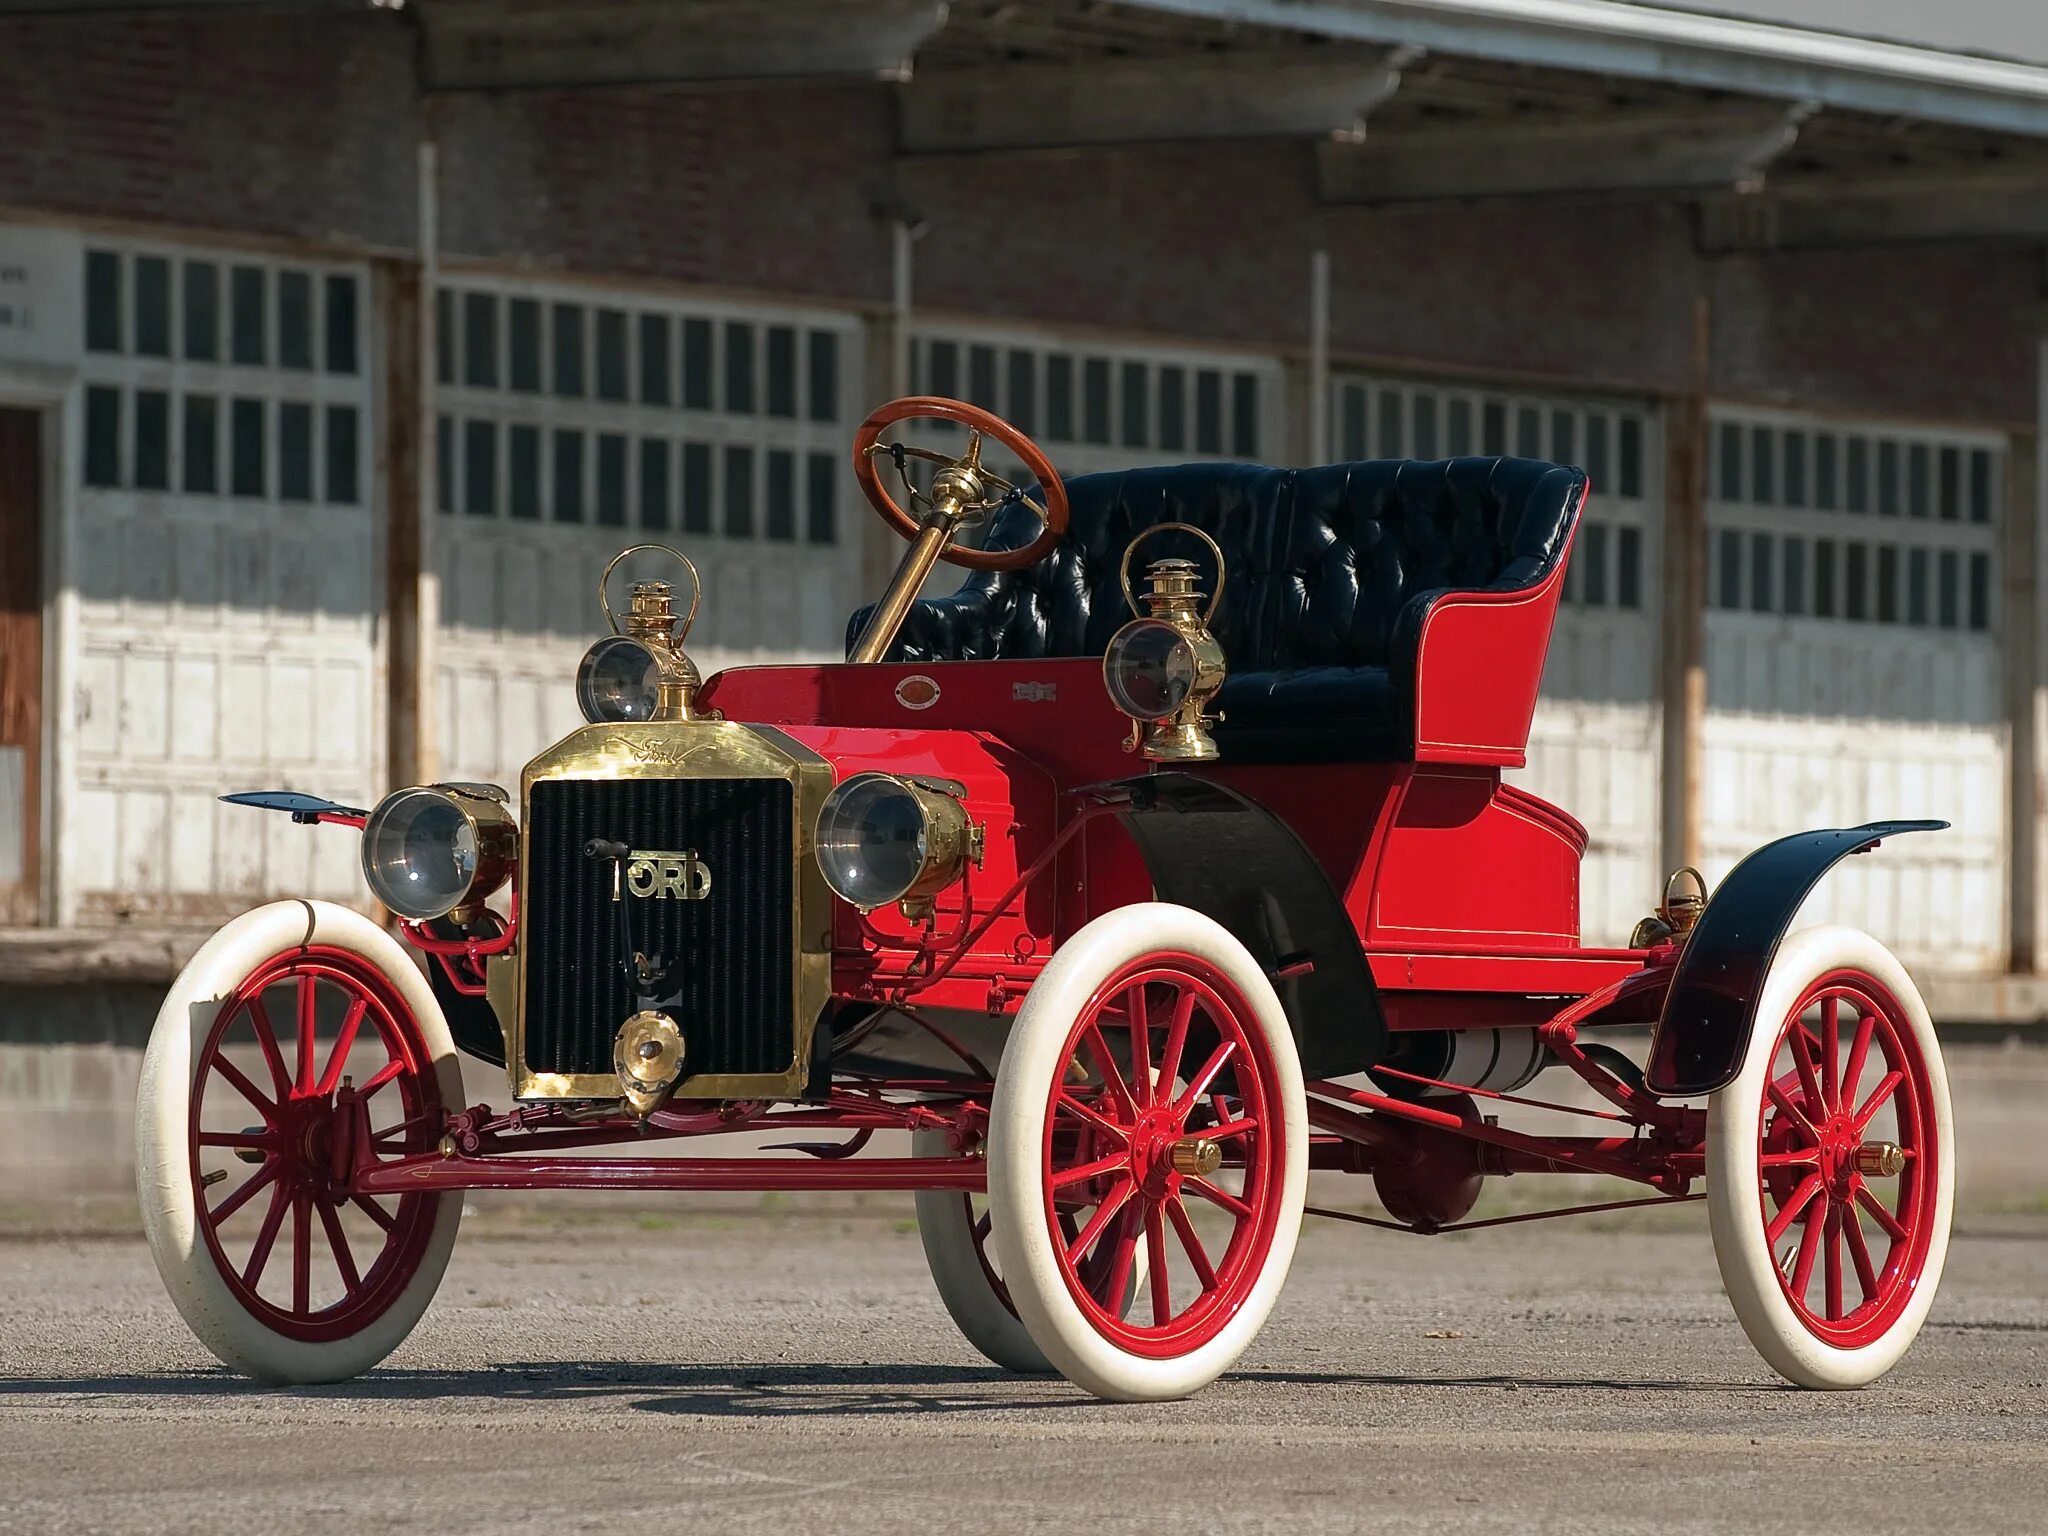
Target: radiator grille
(735, 945)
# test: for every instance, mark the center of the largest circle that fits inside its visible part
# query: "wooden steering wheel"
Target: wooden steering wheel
(964, 492)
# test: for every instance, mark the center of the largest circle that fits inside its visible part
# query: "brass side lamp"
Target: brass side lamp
(1164, 667)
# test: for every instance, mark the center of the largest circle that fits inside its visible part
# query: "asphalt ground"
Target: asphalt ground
(598, 1368)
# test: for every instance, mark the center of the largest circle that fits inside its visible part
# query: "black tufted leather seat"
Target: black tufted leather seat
(1331, 571)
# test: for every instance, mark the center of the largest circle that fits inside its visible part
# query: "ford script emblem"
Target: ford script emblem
(917, 692)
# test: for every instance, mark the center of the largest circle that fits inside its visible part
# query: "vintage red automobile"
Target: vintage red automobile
(1131, 907)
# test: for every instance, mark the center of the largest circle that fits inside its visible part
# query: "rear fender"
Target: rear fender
(1703, 1034)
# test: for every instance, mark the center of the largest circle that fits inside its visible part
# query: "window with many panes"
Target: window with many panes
(1869, 525)
(224, 378)
(563, 408)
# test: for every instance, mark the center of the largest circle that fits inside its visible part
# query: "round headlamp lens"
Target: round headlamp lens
(618, 679)
(871, 840)
(420, 853)
(1150, 669)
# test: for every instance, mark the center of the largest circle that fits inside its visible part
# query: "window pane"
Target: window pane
(1916, 586)
(202, 311)
(1632, 456)
(1948, 597)
(739, 493)
(152, 306)
(1564, 437)
(568, 348)
(342, 489)
(1887, 584)
(1795, 575)
(295, 451)
(1493, 427)
(480, 340)
(1980, 591)
(1208, 411)
(1352, 422)
(981, 376)
(102, 304)
(1593, 569)
(1244, 415)
(444, 463)
(1763, 466)
(1388, 435)
(294, 320)
(1628, 575)
(444, 336)
(1459, 437)
(781, 371)
(1980, 485)
(1136, 407)
(696, 487)
(1950, 498)
(654, 483)
(1423, 420)
(1528, 434)
(1888, 478)
(819, 514)
(1095, 399)
(611, 354)
(102, 435)
(1857, 560)
(246, 321)
(1795, 469)
(657, 336)
(1728, 569)
(567, 479)
(739, 366)
(781, 494)
(341, 324)
(1824, 578)
(1919, 480)
(522, 320)
(697, 364)
(480, 468)
(942, 360)
(1728, 462)
(1825, 490)
(522, 445)
(1858, 499)
(152, 440)
(824, 371)
(611, 475)
(249, 473)
(201, 439)
(1059, 397)
(1762, 551)
(1173, 408)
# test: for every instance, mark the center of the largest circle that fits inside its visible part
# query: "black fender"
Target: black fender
(1703, 1034)
(1223, 854)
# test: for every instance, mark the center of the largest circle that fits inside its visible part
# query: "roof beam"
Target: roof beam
(1147, 100)
(1717, 148)
(1652, 42)
(510, 44)
(2008, 203)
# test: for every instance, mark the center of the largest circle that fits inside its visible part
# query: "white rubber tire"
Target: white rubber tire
(162, 1140)
(945, 1225)
(1016, 1133)
(1748, 1271)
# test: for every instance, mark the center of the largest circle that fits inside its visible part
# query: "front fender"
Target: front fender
(1703, 1033)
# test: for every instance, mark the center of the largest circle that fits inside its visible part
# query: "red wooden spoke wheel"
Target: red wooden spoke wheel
(867, 471)
(1831, 1164)
(281, 1235)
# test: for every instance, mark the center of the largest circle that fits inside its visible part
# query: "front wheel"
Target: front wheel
(1831, 1164)
(1150, 1101)
(283, 1020)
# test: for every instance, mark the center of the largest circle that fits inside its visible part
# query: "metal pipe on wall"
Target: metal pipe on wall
(1319, 357)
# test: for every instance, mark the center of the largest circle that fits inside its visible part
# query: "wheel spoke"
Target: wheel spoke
(1802, 1060)
(1216, 1196)
(337, 1245)
(1176, 1040)
(1123, 1257)
(266, 1036)
(1859, 1052)
(1831, 1262)
(383, 1075)
(309, 997)
(369, 1207)
(1797, 1157)
(1203, 1078)
(1229, 1130)
(302, 1255)
(1809, 1250)
(1859, 1255)
(1830, 1048)
(1104, 1214)
(1141, 1043)
(1784, 1102)
(251, 1141)
(1886, 1087)
(1112, 1075)
(1094, 1170)
(244, 1087)
(1155, 1253)
(983, 1227)
(1092, 1115)
(1893, 1227)
(1789, 1212)
(343, 1042)
(1191, 1244)
(241, 1197)
(259, 1254)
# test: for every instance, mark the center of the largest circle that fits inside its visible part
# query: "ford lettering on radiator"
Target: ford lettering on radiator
(658, 876)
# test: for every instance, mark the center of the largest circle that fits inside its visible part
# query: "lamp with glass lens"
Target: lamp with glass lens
(429, 851)
(618, 679)
(882, 839)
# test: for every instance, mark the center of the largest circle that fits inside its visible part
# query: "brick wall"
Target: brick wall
(305, 126)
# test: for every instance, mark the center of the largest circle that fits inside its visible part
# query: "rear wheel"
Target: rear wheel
(282, 1019)
(1831, 1164)
(1150, 1102)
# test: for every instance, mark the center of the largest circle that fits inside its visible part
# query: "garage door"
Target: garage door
(574, 422)
(1853, 667)
(1594, 746)
(225, 560)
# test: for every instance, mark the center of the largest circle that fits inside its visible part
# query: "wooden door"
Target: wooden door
(21, 665)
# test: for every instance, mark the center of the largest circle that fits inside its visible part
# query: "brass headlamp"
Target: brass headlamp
(1164, 667)
(640, 671)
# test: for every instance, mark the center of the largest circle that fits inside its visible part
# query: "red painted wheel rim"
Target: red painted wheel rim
(1110, 1126)
(279, 1232)
(1849, 1248)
